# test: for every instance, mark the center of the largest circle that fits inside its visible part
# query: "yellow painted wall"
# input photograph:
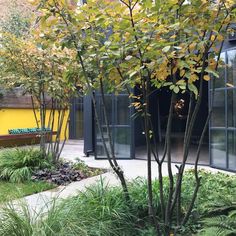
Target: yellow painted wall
(21, 118)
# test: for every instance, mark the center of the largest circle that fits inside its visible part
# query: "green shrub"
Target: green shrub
(17, 165)
(86, 170)
(102, 210)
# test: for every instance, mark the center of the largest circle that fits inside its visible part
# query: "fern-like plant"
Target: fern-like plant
(220, 225)
(17, 165)
(221, 220)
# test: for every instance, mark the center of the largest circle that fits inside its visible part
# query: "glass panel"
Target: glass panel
(231, 68)
(109, 110)
(100, 110)
(122, 110)
(231, 107)
(122, 142)
(218, 114)
(218, 148)
(232, 149)
(220, 82)
(118, 115)
(100, 151)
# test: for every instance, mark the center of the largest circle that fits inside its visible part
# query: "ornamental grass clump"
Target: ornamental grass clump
(98, 211)
(18, 164)
(101, 210)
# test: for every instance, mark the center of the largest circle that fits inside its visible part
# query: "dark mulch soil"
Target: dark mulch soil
(63, 174)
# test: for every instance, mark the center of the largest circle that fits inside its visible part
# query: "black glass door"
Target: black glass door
(119, 123)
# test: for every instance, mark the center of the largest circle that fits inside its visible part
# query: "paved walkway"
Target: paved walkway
(73, 150)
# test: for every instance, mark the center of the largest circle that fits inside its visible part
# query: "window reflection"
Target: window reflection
(220, 82)
(231, 107)
(108, 107)
(218, 114)
(218, 148)
(100, 150)
(118, 113)
(122, 142)
(122, 110)
(232, 149)
(231, 68)
(223, 148)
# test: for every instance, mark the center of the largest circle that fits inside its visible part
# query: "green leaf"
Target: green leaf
(133, 74)
(183, 64)
(129, 57)
(178, 48)
(180, 82)
(194, 89)
(107, 43)
(166, 49)
(176, 89)
(148, 3)
(167, 84)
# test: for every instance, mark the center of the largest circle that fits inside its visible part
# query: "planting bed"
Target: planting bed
(66, 173)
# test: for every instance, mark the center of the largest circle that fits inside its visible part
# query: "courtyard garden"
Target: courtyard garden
(64, 50)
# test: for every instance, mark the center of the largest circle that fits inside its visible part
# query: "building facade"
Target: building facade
(219, 146)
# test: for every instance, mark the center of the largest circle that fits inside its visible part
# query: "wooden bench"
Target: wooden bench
(12, 140)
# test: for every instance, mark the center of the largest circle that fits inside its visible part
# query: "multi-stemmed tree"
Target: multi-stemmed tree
(173, 44)
(44, 73)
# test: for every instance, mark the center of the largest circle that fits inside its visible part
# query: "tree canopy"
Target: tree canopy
(117, 45)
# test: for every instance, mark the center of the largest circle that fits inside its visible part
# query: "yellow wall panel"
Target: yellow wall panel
(22, 118)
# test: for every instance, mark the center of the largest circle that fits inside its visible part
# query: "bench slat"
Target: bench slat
(23, 136)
